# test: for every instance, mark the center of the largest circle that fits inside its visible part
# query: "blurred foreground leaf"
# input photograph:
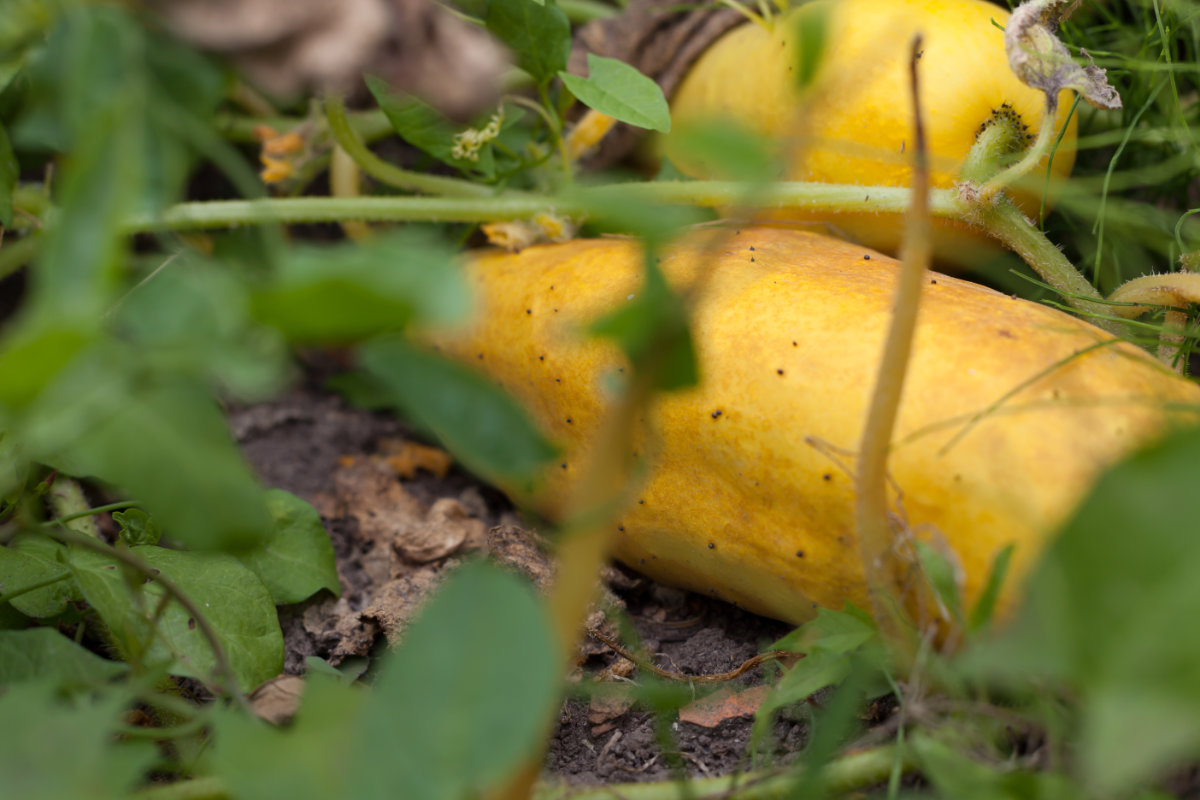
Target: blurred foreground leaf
(44, 654)
(459, 705)
(37, 729)
(539, 34)
(350, 292)
(1108, 616)
(481, 425)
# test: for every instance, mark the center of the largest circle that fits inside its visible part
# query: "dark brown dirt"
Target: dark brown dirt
(307, 441)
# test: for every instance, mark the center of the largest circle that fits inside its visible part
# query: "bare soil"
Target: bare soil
(355, 467)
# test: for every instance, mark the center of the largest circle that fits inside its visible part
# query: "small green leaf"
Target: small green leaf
(422, 126)
(539, 34)
(482, 426)
(297, 558)
(620, 91)
(231, 597)
(30, 560)
(985, 606)
(351, 292)
(453, 711)
(8, 179)
(32, 356)
(137, 527)
(831, 632)
(39, 654)
(940, 573)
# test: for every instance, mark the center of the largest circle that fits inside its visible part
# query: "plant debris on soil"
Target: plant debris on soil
(401, 515)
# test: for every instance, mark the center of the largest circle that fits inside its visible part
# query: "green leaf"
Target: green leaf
(985, 606)
(32, 356)
(8, 179)
(232, 598)
(1106, 615)
(539, 34)
(350, 292)
(812, 35)
(940, 573)
(29, 560)
(727, 150)
(38, 729)
(192, 317)
(422, 126)
(482, 426)
(164, 441)
(45, 654)
(620, 91)
(831, 631)
(652, 330)
(309, 760)
(297, 558)
(453, 710)
(137, 527)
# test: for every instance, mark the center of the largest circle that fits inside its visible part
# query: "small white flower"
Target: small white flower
(467, 143)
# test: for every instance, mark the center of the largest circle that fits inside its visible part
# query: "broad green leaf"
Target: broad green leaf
(8, 179)
(164, 441)
(350, 292)
(465, 699)
(422, 126)
(44, 654)
(652, 330)
(1106, 615)
(482, 426)
(30, 560)
(309, 760)
(297, 558)
(620, 91)
(51, 749)
(137, 527)
(539, 35)
(231, 597)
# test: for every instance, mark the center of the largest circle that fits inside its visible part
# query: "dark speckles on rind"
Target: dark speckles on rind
(778, 372)
(541, 358)
(712, 545)
(570, 421)
(621, 528)
(479, 355)
(799, 554)
(563, 465)
(866, 256)
(716, 413)
(529, 311)
(933, 281)
(827, 476)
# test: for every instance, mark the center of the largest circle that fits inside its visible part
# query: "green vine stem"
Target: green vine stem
(1040, 149)
(376, 167)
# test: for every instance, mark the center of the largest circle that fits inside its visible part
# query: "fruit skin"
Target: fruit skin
(747, 498)
(854, 123)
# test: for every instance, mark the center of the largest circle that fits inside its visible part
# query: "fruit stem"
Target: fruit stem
(1002, 219)
(1039, 150)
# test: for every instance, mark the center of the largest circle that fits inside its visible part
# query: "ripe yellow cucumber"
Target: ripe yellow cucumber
(1010, 409)
(853, 124)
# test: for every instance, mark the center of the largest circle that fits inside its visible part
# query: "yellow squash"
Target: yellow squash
(1010, 411)
(853, 124)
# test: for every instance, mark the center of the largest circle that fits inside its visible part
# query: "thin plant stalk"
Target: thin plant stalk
(878, 544)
